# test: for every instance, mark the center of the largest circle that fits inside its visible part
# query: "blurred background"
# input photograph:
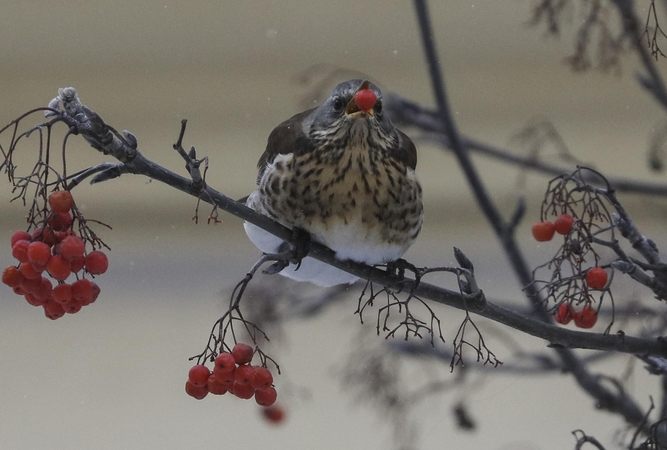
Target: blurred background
(112, 376)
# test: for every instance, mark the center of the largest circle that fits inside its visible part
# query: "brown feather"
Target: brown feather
(406, 152)
(288, 137)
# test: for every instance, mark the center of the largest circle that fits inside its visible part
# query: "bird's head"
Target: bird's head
(353, 106)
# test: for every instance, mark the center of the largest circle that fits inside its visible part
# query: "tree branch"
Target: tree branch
(653, 81)
(87, 123)
(617, 402)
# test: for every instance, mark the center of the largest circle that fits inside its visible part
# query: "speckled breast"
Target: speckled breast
(345, 198)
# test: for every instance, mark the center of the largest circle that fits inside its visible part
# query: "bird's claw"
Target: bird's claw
(397, 268)
(276, 267)
(301, 247)
(291, 253)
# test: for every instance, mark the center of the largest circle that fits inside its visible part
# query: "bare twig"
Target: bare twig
(582, 438)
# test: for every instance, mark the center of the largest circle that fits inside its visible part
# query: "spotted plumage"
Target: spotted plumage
(344, 174)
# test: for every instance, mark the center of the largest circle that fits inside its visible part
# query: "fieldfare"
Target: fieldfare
(343, 173)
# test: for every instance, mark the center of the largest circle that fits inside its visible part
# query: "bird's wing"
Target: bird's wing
(406, 152)
(288, 137)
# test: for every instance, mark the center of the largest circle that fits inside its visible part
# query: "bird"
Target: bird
(345, 174)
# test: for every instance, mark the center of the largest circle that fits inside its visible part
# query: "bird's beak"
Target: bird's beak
(366, 108)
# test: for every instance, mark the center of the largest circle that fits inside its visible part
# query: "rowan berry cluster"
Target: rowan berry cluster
(584, 318)
(55, 250)
(595, 277)
(233, 373)
(582, 218)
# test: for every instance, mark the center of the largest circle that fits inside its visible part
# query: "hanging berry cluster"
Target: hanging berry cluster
(233, 373)
(52, 250)
(580, 213)
(232, 369)
(58, 254)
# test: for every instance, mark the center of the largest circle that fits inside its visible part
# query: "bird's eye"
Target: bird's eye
(378, 107)
(337, 104)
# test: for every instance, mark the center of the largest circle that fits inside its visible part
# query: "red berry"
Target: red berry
(198, 392)
(20, 250)
(266, 397)
(72, 307)
(365, 99)
(97, 262)
(564, 314)
(44, 291)
(198, 375)
(263, 378)
(224, 362)
(53, 310)
(242, 390)
(563, 223)
(45, 235)
(72, 247)
(82, 290)
(596, 278)
(77, 263)
(18, 291)
(274, 414)
(20, 236)
(34, 301)
(62, 293)
(60, 222)
(226, 378)
(58, 267)
(12, 276)
(60, 235)
(585, 318)
(242, 353)
(543, 231)
(244, 374)
(215, 387)
(61, 201)
(38, 268)
(96, 292)
(38, 253)
(31, 285)
(28, 271)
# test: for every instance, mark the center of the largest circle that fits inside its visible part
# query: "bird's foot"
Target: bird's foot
(301, 247)
(291, 253)
(397, 268)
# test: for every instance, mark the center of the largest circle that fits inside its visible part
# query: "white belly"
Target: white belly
(312, 270)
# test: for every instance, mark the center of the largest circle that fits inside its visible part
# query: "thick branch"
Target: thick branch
(617, 402)
(92, 131)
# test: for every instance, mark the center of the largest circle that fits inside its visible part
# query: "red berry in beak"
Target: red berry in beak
(365, 99)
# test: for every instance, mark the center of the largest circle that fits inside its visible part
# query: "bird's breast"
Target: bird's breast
(364, 205)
